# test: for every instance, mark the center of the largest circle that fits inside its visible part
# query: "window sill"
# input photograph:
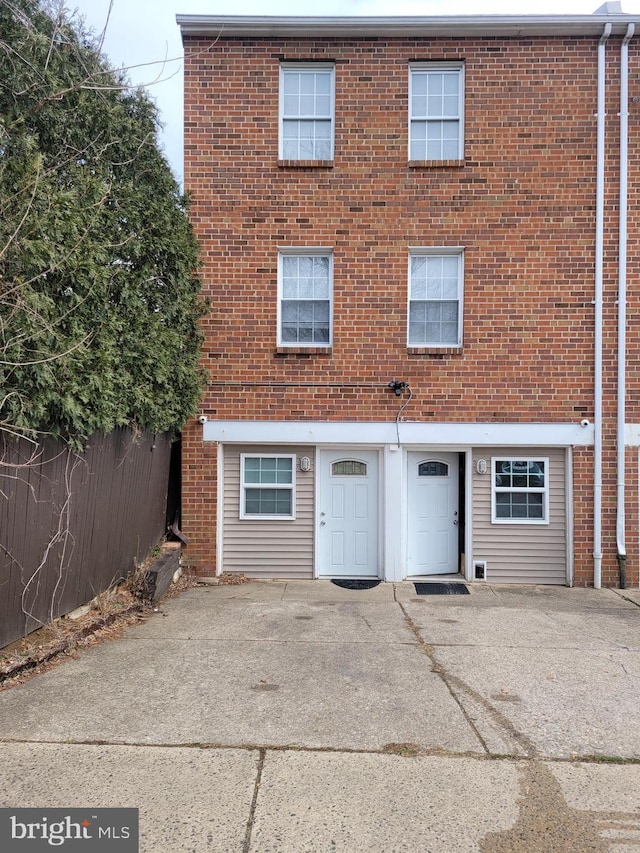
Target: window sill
(436, 164)
(434, 351)
(280, 351)
(305, 164)
(267, 518)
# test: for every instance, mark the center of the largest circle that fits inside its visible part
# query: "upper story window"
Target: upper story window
(436, 111)
(305, 285)
(435, 297)
(306, 112)
(520, 493)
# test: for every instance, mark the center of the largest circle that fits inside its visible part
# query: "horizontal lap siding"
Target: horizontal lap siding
(522, 553)
(268, 549)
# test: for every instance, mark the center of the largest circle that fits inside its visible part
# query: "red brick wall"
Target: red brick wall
(522, 205)
(199, 503)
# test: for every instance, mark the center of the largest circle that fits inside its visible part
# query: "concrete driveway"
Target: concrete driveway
(300, 716)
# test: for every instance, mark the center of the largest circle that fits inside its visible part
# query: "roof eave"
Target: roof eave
(503, 26)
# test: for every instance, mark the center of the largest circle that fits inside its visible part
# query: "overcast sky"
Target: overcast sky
(145, 31)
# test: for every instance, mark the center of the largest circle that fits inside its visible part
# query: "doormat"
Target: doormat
(355, 584)
(441, 589)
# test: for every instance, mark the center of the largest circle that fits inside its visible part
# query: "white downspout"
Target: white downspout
(622, 305)
(597, 391)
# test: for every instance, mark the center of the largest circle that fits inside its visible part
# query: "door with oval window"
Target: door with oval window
(348, 504)
(432, 514)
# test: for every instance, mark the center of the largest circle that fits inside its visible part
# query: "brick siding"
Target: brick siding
(521, 203)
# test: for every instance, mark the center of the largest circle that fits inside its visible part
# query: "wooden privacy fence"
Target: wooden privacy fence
(73, 524)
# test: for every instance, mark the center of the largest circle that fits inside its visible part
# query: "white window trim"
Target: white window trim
(305, 252)
(544, 491)
(290, 486)
(310, 66)
(434, 251)
(439, 66)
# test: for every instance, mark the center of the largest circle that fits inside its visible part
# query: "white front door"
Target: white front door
(348, 514)
(432, 513)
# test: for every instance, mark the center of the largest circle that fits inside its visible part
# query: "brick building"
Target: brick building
(420, 245)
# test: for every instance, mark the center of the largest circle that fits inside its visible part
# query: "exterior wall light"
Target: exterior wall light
(397, 387)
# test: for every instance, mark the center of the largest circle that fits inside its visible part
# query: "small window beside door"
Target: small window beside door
(267, 486)
(348, 468)
(520, 491)
(433, 468)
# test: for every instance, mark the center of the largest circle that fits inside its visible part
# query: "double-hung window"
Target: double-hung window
(267, 486)
(305, 295)
(306, 112)
(520, 490)
(435, 298)
(436, 111)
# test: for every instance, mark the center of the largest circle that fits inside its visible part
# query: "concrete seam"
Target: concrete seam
(254, 800)
(435, 752)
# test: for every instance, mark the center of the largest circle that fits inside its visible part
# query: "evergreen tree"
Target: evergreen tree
(99, 301)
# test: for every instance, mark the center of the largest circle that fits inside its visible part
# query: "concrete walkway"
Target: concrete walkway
(295, 717)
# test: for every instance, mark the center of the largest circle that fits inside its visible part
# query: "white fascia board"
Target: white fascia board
(411, 433)
(506, 26)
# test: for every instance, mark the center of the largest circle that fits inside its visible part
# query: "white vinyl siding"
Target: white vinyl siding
(436, 98)
(268, 547)
(435, 298)
(521, 552)
(306, 112)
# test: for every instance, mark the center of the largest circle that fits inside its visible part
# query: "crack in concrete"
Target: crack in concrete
(367, 623)
(453, 684)
(546, 823)
(620, 594)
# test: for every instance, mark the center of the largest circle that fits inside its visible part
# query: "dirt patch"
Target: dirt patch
(406, 750)
(110, 615)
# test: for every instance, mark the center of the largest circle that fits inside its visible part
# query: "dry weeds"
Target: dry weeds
(112, 612)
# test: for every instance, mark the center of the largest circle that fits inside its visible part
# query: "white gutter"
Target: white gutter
(622, 304)
(597, 391)
(406, 26)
